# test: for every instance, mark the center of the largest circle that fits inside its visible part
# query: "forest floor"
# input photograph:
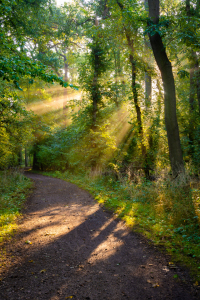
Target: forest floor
(68, 247)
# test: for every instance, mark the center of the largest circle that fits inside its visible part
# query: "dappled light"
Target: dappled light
(72, 248)
(102, 95)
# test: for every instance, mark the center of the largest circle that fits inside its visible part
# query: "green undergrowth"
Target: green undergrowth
(166, 212)
(14, 187)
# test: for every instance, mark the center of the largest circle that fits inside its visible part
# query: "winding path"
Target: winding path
(68, 247)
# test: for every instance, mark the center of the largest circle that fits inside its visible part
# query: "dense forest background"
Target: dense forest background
(107, 93)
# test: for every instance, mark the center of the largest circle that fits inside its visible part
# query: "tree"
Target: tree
(165, 67)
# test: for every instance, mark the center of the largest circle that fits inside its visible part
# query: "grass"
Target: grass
(166, 212)
(13, 191)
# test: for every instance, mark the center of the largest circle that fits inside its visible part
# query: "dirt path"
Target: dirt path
(69, 248)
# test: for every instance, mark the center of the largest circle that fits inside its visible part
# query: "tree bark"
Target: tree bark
(94, 97)
(26, 157)
(20, 156)
(148, 81)
(65, 109)
(95, 88)
(135, 96)
(165, 67)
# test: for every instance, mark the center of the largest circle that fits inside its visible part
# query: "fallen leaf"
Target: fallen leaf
(81, 266)
(69, 297)
(165, 269)
(154, 285)
(172, 265)
(31, 261)
(28, 242)
(43, 271)
(149, 281)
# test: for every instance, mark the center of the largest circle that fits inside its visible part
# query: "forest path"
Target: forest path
(68, 247)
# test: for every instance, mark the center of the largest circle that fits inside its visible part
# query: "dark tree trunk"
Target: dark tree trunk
(148, 81)
(198, 88)
(198, 71)
(116, 78)
(195, 67)
(192, 108)
(148, 89)
(26, 158)
(135, 96)
(20, 156)
(36, 166)
(65, 102)
(137, 107)
(95, 93)
(165, 67)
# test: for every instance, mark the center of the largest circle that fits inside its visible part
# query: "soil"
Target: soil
(68, 247)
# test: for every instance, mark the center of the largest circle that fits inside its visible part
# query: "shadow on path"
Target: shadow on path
(69, 247)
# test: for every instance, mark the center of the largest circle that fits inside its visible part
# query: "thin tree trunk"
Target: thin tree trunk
(95, 89)
(20, 156)
(65, 102)
(116, 79)
(26, 158)
(135, 96)
(148, 89)
(165, 67)
(148, 81)
(198, 88)
(94, 97)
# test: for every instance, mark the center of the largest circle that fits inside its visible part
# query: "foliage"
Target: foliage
(15, 61)
(77, 147)
(14, 126)
(13, 191)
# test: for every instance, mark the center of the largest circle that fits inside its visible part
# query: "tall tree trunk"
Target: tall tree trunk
(26, 157)
(137, 106)
(65, 102)
(95, 88)
(194, 86)
(198, 70)
(148, 89)
(165, 67)
(198, 88)
(148, 81)
(20, 156)
(94, 97)
(116, 78)
(135, 96)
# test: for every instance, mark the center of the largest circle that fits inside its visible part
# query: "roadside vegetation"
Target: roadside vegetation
(14, 188)
(106, 94)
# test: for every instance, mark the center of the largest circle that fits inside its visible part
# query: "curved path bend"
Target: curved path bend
(68, 247)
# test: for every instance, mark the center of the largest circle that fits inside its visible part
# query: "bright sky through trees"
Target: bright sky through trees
(61, 2)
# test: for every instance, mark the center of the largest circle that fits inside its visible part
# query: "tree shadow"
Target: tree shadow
(99, 258)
